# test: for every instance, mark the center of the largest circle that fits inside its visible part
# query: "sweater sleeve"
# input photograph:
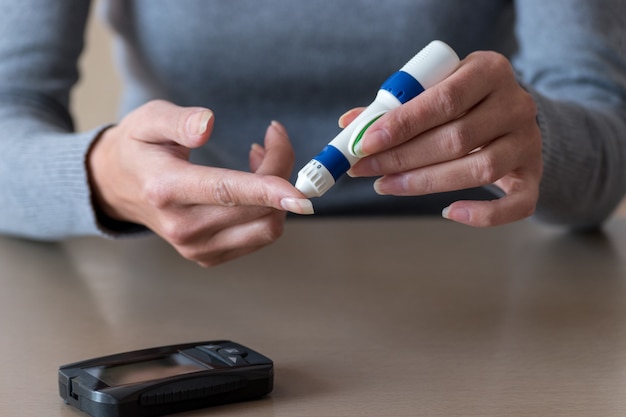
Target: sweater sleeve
(44, 190)
(572, 59)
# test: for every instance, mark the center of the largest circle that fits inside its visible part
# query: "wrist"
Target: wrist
(107, 216)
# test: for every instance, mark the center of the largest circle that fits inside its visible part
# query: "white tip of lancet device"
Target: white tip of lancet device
(432, 64)
(314, 179)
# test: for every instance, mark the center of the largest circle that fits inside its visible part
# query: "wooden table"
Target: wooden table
(367, 317)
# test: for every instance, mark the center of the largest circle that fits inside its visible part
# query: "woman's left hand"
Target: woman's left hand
(476, 127)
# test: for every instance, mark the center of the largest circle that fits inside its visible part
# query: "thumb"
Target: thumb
(160, 121)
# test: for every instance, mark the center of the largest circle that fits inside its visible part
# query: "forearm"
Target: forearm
(44, 190)
(44, 187)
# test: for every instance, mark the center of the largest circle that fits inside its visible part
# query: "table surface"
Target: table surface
(362, 317)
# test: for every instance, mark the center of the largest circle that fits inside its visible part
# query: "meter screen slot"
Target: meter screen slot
(166, 366)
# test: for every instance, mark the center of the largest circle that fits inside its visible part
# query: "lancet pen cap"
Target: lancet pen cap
(435, 62)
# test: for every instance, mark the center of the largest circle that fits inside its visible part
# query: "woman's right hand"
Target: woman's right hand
(140, 173)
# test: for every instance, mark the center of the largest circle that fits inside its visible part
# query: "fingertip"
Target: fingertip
(375, 139)
(297, 205)
(487, 213)
(379, 187)
(198, 124)
(257, 149)
(279, 128)
(342, 123)
(257, 153)
(461, 215)
(348, 117)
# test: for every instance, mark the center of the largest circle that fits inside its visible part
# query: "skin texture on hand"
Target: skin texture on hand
(475, 128)
(140, 173)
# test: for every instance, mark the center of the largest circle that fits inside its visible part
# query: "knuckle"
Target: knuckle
(222, 192)
(448, 102)
(493, 62)
(397, 160)
(157, 193)
(267, 188)
(430, 184)
(152, 105)
(271, 230)
(458, 142)
(176, 231)
(486, 170)
(422, 183)
(499, 62)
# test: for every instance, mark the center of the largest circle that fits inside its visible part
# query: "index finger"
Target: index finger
(191, 184)
(443, 102)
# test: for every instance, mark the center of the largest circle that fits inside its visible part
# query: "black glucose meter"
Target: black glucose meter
(167, 379)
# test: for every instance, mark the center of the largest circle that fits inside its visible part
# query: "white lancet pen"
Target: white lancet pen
(428, 67)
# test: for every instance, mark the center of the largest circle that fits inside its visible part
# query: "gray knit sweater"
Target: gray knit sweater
(303, 63)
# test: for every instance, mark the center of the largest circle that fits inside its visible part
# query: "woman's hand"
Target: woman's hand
(140, 173)
(475, 128)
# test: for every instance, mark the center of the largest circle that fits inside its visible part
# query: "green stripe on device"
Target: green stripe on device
(359, 136)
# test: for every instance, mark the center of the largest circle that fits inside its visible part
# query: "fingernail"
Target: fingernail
(256, 148)
(297, 205)
(341, 122)
(379, 187)
(278, 126)
(378, 139)
(198, 123)
(458, 214)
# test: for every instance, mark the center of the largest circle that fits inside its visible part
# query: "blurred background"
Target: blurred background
(94, 101)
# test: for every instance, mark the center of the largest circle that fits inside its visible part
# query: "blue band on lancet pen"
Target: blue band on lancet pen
(334, 161)
(403, 86)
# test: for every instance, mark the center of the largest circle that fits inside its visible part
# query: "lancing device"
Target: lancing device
(431, 65)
